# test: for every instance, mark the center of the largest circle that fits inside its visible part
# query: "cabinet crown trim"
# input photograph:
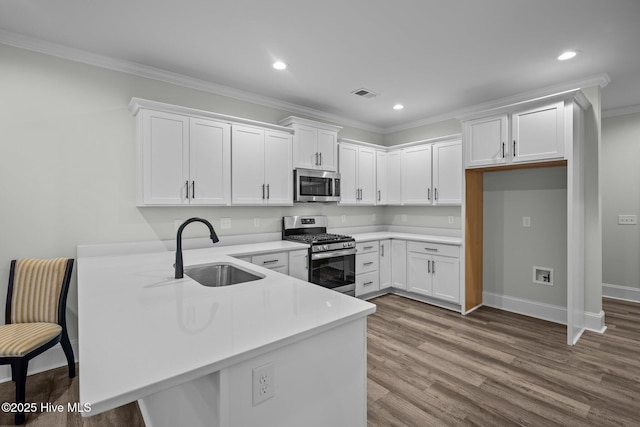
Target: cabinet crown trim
(507, 107)
(447, 138)
(136, 104)
(293, 120)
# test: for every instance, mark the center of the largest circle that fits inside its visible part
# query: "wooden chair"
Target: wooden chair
(35, 317)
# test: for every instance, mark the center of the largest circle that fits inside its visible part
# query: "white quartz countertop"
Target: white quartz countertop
(382, 235)
(141, 330)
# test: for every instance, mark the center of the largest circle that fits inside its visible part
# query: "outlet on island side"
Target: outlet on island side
(263, 383)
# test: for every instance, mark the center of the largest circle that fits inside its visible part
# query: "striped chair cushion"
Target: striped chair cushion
(36, 290)
(18, 339)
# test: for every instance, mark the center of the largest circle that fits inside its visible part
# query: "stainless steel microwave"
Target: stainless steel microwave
(316, 186)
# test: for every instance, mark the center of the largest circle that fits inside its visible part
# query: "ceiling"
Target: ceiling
(436, 57)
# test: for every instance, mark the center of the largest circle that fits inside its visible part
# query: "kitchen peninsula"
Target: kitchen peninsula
(191, 355)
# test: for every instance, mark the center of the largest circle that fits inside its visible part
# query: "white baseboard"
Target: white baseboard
(626, 293)
(50, 359)
(595, 322)
(552, 313)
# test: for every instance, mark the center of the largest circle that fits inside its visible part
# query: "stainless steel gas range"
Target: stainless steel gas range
(332, 257)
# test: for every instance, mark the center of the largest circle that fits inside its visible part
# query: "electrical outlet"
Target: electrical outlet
(627, 220)
(526, 221)
(404, 218)
(256, 222)
(343, 218)
(176, 224)
(263, 383)
(225, 223)
(450, 220)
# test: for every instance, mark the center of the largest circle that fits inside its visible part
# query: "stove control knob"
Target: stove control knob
(325, 247)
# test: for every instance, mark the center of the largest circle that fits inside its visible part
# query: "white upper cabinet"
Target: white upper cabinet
(394, 178)
(487, 141)
(261, 167)
(530, 135)
(210, 162)
(357, 175)
(538, 134)
(447, 173)
(416, 178)
(182, 160)
(315, 144)
(381, 178)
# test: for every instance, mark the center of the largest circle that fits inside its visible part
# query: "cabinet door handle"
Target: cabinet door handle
(435, 194)
(367, 247)
(367, 283)
(379, 195)
(514, 148)
(433, 267)
(193, 189)
(429, 266)
(367, 263)
(306, 262)
(263, 190)
(268, 192)
(271, 261)
(320, 158)
(317, 164)
(503, 147)
(381, 250)
(428, 194)
(431, 249)
(186, 184)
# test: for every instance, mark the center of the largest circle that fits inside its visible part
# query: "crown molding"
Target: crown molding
(601, 80)
(134, 68)
(622, 111)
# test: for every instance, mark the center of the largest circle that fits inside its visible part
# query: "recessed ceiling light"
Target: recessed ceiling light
(398, 107)
(279, 65)
(567, 55)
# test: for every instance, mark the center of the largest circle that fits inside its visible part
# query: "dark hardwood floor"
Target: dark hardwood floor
(432, 367)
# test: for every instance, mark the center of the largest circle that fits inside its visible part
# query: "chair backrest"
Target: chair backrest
(38, 290)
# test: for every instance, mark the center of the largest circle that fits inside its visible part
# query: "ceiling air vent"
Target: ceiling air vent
(365, 93)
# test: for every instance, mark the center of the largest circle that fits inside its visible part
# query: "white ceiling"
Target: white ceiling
(434, 56)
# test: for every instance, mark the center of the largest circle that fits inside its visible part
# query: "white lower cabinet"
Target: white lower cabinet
(276, 261)
(367, 280)
(299, 264)
(384, 264)
(399, 264)
(434, 270)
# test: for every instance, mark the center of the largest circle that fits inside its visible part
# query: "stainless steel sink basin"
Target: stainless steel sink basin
(220, 274)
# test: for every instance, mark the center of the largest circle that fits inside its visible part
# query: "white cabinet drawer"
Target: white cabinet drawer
(366, 262)
(434, 249)
(274, 261)
(367, 283)
(365, 247)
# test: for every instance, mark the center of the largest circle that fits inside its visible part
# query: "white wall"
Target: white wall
(620, 195)
(512, 250)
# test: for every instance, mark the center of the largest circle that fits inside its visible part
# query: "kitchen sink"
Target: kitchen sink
(220, 274)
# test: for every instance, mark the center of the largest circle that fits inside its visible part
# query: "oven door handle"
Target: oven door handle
(332, 254)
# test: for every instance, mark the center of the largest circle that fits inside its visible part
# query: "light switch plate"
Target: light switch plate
(526, 221)
(627, 220)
